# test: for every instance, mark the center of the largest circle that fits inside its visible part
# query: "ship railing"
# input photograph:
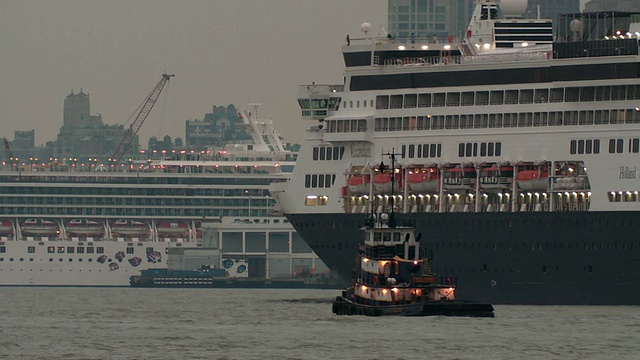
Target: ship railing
(421, 61)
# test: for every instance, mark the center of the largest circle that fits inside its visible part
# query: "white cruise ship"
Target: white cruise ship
(517, 153)
(76, 223)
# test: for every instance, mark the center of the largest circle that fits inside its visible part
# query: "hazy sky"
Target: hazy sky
(221, 51)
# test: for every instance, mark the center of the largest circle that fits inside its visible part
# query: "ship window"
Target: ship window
(620, 145)
(419, 155)
(439, 153)
(587, 93)
(483, 149)
(636, 145)
(315, 153)
(573, 147)
(496, 97)
(588, 149)
(51, 250)
(60, 249)
(468, 98)
(80, 250)
(452, 121)
(580, 146)
(30, 249)
(307, 181)
(323, 153)
(461, 150)
(320, 180)
(612, 146)
(424, 100)
(70, 249)
(314, 181)
(410, 100)
(328, 181)
(498, 149)
(453, 99)
(439, 99)
(382, 102)
(412, 151)
(603, 93)
(490, 149)
(100, 250)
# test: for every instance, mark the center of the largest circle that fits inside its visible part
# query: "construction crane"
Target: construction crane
(144, 110)
(7, 150)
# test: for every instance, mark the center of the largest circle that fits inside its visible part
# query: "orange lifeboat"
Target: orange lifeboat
(359, 184)
(459, 178)
(533, 180)
(39, 227)
(496, 177)
(129, 227)
(423, 182)
(382, 183)
(84, 227)
(6, 227)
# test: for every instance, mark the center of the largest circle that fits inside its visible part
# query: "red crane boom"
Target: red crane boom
(145, 108)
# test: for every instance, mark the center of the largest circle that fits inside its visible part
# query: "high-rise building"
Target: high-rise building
(83, 135)
(443, 18)
(613, 5)
(550, 9)
(426, 18)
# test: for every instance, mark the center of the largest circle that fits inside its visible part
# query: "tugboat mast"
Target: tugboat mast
(392, 156)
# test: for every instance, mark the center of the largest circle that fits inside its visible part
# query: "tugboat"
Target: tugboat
(392, 278)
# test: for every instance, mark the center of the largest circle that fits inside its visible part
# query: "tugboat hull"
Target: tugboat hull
(344, 306)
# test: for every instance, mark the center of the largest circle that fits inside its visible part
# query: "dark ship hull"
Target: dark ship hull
(344, 306)
(545, 258)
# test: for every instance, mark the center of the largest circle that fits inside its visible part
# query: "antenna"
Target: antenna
(392, 156)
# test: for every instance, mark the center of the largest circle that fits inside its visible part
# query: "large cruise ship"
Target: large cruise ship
(516, 155)
(79, 223)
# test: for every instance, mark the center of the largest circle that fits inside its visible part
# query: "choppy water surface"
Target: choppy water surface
(124, 323)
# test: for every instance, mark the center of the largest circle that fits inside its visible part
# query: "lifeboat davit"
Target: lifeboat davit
(359, 184)
(129, 227)
(6, 227)
(39, 227)
(172, 228)
(423, 183)
(533, 180)
(84, 227)
(382, 183)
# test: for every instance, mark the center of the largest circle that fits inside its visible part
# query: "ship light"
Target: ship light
(447, 47)
(478, 46)
(486, 46)
(384, 291)
(589, 193)
(401, 47)
(425, 47)
(364, 287)
(450, 289)
(395, 290)
(525, 44)
(365, 259)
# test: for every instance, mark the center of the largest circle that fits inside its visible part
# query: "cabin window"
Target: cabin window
(573, 147)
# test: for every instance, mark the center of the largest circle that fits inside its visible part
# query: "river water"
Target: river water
(135, 323)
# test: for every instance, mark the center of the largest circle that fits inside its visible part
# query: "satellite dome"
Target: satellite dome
(513, 8)
(575, 25)
(365, 27)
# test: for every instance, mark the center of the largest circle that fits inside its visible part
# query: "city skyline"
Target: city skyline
(221, 52)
